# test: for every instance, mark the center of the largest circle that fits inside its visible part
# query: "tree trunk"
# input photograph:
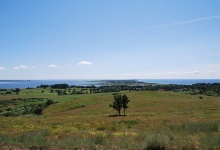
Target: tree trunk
(119, 111)
(124, 111)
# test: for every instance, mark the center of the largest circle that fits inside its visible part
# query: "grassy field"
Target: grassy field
(154, 120)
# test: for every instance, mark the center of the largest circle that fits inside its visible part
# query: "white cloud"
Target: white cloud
(20, 67)
(53, 66)
(85, 63)
(2, 68)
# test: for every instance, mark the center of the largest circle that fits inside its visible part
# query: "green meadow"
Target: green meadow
(154, 120)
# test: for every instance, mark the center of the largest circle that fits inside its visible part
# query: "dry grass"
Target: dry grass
(154, 119)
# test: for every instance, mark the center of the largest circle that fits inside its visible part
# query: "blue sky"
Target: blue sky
(111, 39)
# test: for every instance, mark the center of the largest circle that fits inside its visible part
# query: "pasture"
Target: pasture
(154, 120)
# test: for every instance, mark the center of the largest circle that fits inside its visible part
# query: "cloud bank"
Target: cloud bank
(23, 67)
(20, 67)
(53, 66)
(2, 68)
(85, 63)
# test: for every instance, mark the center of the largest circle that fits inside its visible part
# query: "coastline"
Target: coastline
(8, 84)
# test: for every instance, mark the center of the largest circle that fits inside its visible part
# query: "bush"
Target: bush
(10, 113)
(8, 92)
(38, 111)
(211, 141)
(155, 140)
(98, 140)
(49, 102)
(203, 127)
(100, 128)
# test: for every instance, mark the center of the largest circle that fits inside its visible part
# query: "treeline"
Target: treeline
(9, 91)
(55, 86)
(207, 89)
(199, 88)
(116, 88)
(64, 86)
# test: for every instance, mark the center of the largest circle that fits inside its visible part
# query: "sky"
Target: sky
(111, 39)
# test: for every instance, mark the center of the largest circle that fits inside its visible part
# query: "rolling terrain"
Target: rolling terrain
(154, 120)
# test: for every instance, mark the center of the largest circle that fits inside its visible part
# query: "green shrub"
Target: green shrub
(49, 102)
(100, 128)
(98, 140)
(38, 111)
(155, 140)
(211, 141)
(203, 127)
(30, 139)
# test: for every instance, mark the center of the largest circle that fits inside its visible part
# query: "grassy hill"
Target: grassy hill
(163, 120)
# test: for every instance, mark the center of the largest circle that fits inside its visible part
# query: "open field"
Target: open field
(163, 120)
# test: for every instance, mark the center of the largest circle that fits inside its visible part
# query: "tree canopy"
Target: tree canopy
(120, 101)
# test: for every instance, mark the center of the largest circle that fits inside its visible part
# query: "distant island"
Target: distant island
(14, 80)
(119, 82)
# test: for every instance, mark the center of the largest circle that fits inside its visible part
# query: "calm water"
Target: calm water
(7, 84)
(180, 81)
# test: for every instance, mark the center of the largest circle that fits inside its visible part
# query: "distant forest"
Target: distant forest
(199, 88)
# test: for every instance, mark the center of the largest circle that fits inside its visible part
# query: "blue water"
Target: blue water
(7, 84)
(180, 81)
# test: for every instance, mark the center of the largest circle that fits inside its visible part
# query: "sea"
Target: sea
(9, 84)
(180, 81)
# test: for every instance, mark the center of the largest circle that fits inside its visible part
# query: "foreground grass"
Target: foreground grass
(163, 120)
(165, 138)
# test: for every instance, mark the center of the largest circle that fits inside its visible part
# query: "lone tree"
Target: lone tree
(119, 103)
(125, 101)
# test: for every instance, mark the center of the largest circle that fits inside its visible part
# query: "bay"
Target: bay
(8, 84)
